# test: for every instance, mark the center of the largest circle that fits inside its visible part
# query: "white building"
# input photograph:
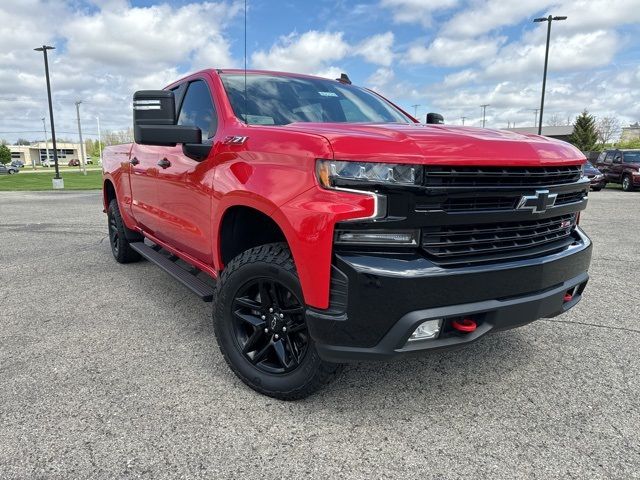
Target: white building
(36, 153)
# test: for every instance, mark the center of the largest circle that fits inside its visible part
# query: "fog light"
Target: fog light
(427, 330)
(377, 237)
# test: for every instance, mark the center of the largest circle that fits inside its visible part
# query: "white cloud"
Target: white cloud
(310, 52)
(416, 11)
(377, 49)
(449, 52)
(485, 16)
(103, 54)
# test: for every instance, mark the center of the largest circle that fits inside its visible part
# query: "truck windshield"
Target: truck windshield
(279, 100)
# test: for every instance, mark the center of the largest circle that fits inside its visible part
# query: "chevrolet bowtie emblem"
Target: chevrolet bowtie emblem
(539, 202)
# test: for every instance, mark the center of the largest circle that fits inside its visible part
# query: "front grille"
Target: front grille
(443, 176)
(475, 203)
(491, 242)
(565, 198)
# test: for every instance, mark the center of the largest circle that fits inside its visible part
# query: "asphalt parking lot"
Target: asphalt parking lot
(112, 371)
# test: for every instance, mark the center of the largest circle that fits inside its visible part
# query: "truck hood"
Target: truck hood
(440, 144)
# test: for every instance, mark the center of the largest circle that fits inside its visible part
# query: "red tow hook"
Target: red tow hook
(567, 297)
(465, 325)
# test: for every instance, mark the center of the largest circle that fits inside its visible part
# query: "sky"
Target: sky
(445, 56)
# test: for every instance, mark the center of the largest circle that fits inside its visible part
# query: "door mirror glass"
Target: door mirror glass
(154, 120)
(435, 118)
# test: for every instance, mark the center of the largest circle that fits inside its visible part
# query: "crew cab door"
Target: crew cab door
(143, 174)
(617, 168)
(184, 184)
(605, 166)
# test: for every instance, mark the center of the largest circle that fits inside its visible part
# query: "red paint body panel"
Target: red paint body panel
(182, 207)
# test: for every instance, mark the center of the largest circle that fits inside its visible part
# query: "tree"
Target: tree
(5, 154)
(584, 135)
(23, 141)
(607, 128)
(555, 121)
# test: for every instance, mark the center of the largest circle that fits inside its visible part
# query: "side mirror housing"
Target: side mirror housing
(154, 120)
(435, 118)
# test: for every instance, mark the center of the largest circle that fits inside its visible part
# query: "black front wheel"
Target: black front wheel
(627, 184)
(259, 320)
(118, 233)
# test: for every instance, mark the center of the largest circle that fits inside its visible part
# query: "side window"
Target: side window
(197, 109)
(617, 158)
(609, 157)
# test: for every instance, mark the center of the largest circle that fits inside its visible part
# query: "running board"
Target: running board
(188, 279)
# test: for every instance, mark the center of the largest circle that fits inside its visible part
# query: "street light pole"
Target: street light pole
(82, 164)
(99, 140)
(463, 119)
(549, 20)
(484, 111)
(415, 110)
(46, 143)
(57, 181)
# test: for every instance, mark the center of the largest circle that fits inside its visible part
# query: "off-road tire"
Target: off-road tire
(271, 262)
(119, 236)
(627, 183)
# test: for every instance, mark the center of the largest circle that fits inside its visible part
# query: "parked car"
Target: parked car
(8, 169)
(336, 228)
(17, 163)
(74, 162)
(88, 160)
(595, 176)
(621, 166)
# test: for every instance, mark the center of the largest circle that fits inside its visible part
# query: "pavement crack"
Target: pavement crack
(586, 324)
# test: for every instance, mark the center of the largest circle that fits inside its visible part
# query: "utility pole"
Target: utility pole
(83, 165)
(536, 110)
(99, 140)
(484, 111)
(58, 182)
(463, 119)
(415, 110)
(46, 143)
(549, 20)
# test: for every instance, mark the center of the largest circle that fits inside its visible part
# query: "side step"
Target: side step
(189, 280)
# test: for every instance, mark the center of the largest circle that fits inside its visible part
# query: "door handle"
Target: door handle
(134, 161)
(164, 163)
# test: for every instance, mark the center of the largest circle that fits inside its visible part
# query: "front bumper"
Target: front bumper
(378, 300)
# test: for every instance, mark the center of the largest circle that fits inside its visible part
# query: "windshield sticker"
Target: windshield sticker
(328, 94)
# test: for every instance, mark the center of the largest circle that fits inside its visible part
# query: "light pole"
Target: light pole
(463, 119)
(99, 140)
(484, 111)
(57, 180)
(415, 110)
(548, 19)
(46, 143)
(81, 165)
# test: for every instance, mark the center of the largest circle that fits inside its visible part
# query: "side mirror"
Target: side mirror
(154, 120)
(435, 118)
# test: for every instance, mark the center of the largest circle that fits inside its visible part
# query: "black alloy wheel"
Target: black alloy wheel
(269, 326)
(114, 236)
(259, 318)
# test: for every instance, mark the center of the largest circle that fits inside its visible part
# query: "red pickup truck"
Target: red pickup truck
(327, 225)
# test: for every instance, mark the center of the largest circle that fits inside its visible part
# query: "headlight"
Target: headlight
(331, 171)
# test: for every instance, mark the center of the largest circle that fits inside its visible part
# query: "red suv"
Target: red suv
(327, 225)
(621, 166)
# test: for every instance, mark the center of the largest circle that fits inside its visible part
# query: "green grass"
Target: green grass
(42, 181)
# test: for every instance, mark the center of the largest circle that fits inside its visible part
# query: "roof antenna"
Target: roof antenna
(246, 115)
(344, 78)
